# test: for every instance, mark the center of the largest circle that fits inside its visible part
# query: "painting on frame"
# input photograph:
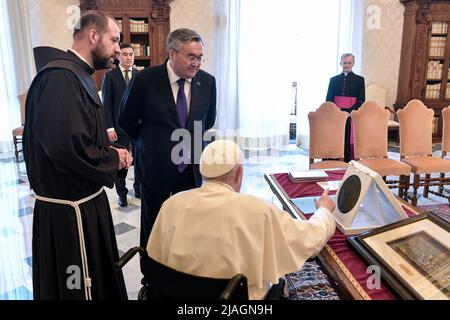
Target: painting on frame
(413, 256)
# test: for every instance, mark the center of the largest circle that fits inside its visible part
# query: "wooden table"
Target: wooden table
(340, 277)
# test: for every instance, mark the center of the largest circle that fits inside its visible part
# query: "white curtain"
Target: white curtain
(16, 59)
(266, 48)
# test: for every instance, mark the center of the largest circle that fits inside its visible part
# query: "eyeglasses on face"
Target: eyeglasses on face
(191, 58)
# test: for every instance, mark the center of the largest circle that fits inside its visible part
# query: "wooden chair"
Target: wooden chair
(370, 125)
(327, 137)
(377, 93)
(445, 138)
(17, 133)
(416, 148)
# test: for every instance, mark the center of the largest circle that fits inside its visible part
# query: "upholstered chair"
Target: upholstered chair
(327, 137)
(370, 127)
(377, 93)
(416, 147)
(445, 131)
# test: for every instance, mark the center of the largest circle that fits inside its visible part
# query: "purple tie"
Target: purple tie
(182, 116)
(182, 103)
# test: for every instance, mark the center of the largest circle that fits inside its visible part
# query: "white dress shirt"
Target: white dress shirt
(122, 70)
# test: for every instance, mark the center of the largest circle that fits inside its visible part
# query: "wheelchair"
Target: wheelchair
(161, 282)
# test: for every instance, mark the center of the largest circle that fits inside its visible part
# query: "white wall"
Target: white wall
(49, 23)
(382, 46)
(200, 16)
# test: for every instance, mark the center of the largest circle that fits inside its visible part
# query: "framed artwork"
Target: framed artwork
(413, 256)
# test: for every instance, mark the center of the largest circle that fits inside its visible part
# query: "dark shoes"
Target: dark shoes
(123, 202)
(137, 195)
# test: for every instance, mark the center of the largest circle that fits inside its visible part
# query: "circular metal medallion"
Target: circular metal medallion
(349, 194)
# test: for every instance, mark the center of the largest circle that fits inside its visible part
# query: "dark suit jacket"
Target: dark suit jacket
(149, 115)
(354, 87)
(113, 88)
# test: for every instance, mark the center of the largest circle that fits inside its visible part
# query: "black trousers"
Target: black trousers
(152, 200)
(347, 155)
(137, 181)
(120, 183)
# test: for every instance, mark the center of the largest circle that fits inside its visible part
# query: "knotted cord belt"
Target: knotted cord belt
(76, 205)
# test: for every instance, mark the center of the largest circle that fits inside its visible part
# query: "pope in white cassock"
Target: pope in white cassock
(213, 231)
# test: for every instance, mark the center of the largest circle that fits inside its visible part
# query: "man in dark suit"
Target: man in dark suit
(113, 87)
(162, 108)
(348, 91)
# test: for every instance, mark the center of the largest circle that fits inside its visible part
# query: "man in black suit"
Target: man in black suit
(348, 91)
(163, 103)
(113, 87)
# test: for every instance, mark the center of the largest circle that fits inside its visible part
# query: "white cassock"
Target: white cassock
(215, 232)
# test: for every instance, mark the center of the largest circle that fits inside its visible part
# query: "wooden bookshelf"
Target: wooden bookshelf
(144, 24)
(425, 58)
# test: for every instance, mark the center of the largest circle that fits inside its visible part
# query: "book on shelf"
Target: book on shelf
(140, 50)
(433, 91)
(120, 24)
(138, 25)
(308, 176)
(434, 71)
(437, 46)
(439, 27)
(435, 125)
(447, 92)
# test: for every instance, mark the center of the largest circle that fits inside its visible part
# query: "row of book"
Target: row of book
(437, 46)
(435, 125)
(439, 27)
(434, 71)
(433, 91)
(140, 50)
(447, 93)
(135, 25)
(138, 25)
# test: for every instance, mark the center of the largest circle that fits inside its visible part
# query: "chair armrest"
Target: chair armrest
(276, 291)
(127, 257)
(232, 291)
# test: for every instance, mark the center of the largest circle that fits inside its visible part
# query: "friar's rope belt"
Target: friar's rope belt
(76, 205)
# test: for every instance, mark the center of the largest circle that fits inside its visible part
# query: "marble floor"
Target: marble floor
(17, 201)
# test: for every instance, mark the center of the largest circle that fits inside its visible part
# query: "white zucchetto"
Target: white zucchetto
(219, 158)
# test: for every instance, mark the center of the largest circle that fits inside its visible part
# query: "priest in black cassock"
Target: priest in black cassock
(347, 91)
(69, 160)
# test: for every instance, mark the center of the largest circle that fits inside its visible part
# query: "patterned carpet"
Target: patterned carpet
(310, 283)
(442, 210)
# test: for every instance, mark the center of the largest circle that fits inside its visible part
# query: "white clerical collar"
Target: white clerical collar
(80, 56)
(172, 75)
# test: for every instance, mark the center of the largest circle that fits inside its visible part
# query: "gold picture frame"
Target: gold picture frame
(413, 256)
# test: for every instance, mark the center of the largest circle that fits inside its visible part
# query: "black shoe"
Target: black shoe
(137, 195)
(123, 201)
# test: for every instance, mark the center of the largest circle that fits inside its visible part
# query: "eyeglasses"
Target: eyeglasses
(191, 58)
